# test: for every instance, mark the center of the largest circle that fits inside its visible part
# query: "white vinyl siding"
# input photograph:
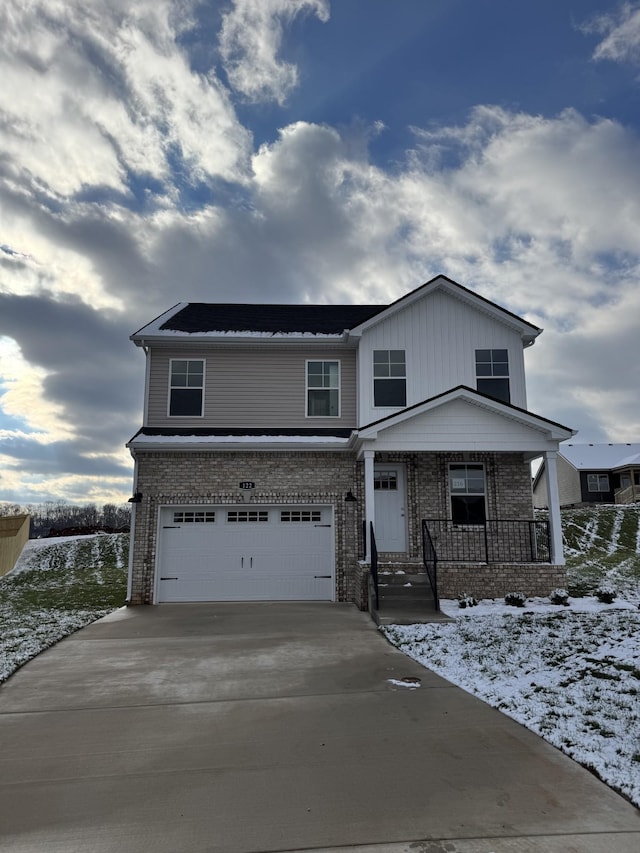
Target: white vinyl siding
(253, 386)
(456, 426)
(440, 335)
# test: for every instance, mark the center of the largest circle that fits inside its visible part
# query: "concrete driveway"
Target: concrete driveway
(273, 727)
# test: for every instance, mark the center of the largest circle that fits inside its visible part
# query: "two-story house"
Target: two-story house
(285, 448)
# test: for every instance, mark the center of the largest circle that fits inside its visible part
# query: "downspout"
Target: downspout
(132, 530)
(147, 377)
(132, 523)
(369, 499)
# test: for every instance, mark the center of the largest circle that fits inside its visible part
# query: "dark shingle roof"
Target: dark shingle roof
(227, 317)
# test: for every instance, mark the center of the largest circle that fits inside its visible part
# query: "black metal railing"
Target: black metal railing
(430, 560)
(495, 541)
(374, 566)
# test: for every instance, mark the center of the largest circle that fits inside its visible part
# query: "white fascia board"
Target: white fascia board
(235, 442)
(555, 432)
(527, 331)
(171, 336)
(153, 328)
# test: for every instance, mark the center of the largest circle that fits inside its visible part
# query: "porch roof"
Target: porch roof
(462, 419)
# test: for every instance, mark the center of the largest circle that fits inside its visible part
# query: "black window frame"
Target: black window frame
(492, 373)
(186, 398)
(467, 503)
(389, 378)
(323, 391)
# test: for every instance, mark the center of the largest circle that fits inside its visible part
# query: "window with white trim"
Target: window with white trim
(186, 387)
(598, 482)
(467, 493)
(492, 373)
(389, 377)
(323, 389)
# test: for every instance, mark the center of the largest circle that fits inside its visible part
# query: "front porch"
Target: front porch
(447, 491)
(484, 561)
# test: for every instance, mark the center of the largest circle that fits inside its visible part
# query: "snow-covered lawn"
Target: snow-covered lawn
(572, 675)
(58, 586)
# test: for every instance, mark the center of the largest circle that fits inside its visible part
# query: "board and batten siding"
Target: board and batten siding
(440, 335)
(252, 387)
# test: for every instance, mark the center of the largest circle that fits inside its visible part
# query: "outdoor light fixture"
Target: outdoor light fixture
(136, 499)
(350, 497)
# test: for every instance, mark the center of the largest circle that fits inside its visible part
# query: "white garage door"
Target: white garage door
(241, 553)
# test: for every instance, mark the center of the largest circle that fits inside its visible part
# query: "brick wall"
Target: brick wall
(495, 580)
(214, 477)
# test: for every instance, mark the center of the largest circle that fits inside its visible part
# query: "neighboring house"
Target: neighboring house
(276, 438)
(593, 473)
(14, 534)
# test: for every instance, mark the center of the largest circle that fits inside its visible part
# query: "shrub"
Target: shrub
(515, 599)
(466, 600)
(605, 593)
(559, 596)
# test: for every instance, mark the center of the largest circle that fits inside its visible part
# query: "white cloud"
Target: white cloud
(22, 397)
(92, 92)
(250, 41)
(621, 31)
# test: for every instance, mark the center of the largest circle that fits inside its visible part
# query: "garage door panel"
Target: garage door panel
(261, 554)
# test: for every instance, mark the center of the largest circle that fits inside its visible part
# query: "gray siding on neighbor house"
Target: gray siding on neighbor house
(252, 386)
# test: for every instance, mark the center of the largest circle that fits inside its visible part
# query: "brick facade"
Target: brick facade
(314, 477)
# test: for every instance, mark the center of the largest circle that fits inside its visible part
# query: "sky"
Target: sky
(323, 151)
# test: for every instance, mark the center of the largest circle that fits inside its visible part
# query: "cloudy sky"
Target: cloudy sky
(156, 151)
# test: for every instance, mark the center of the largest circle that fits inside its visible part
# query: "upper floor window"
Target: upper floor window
(323, 389)
(598, 482)
(492, 373)
(467, 492)
(186, 387)
(389, 377)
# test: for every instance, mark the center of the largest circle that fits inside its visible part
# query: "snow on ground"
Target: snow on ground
(64, 562)
(25, 637)
(570, 674)
(50, 552)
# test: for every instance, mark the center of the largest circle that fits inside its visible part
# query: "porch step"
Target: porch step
(404, 589)
(409, 617)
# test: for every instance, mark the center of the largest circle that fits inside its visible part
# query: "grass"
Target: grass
(602, 544)
(59, 587)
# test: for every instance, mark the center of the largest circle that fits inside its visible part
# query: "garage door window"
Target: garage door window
(193, 517)
(292, 515)
(243, 515)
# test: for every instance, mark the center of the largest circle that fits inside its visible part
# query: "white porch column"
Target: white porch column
(553, 501)
(369, 499)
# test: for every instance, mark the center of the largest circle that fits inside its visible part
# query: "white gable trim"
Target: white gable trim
(527, 331)
(462, 420)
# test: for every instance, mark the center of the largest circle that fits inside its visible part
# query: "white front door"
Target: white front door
(390, 499)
